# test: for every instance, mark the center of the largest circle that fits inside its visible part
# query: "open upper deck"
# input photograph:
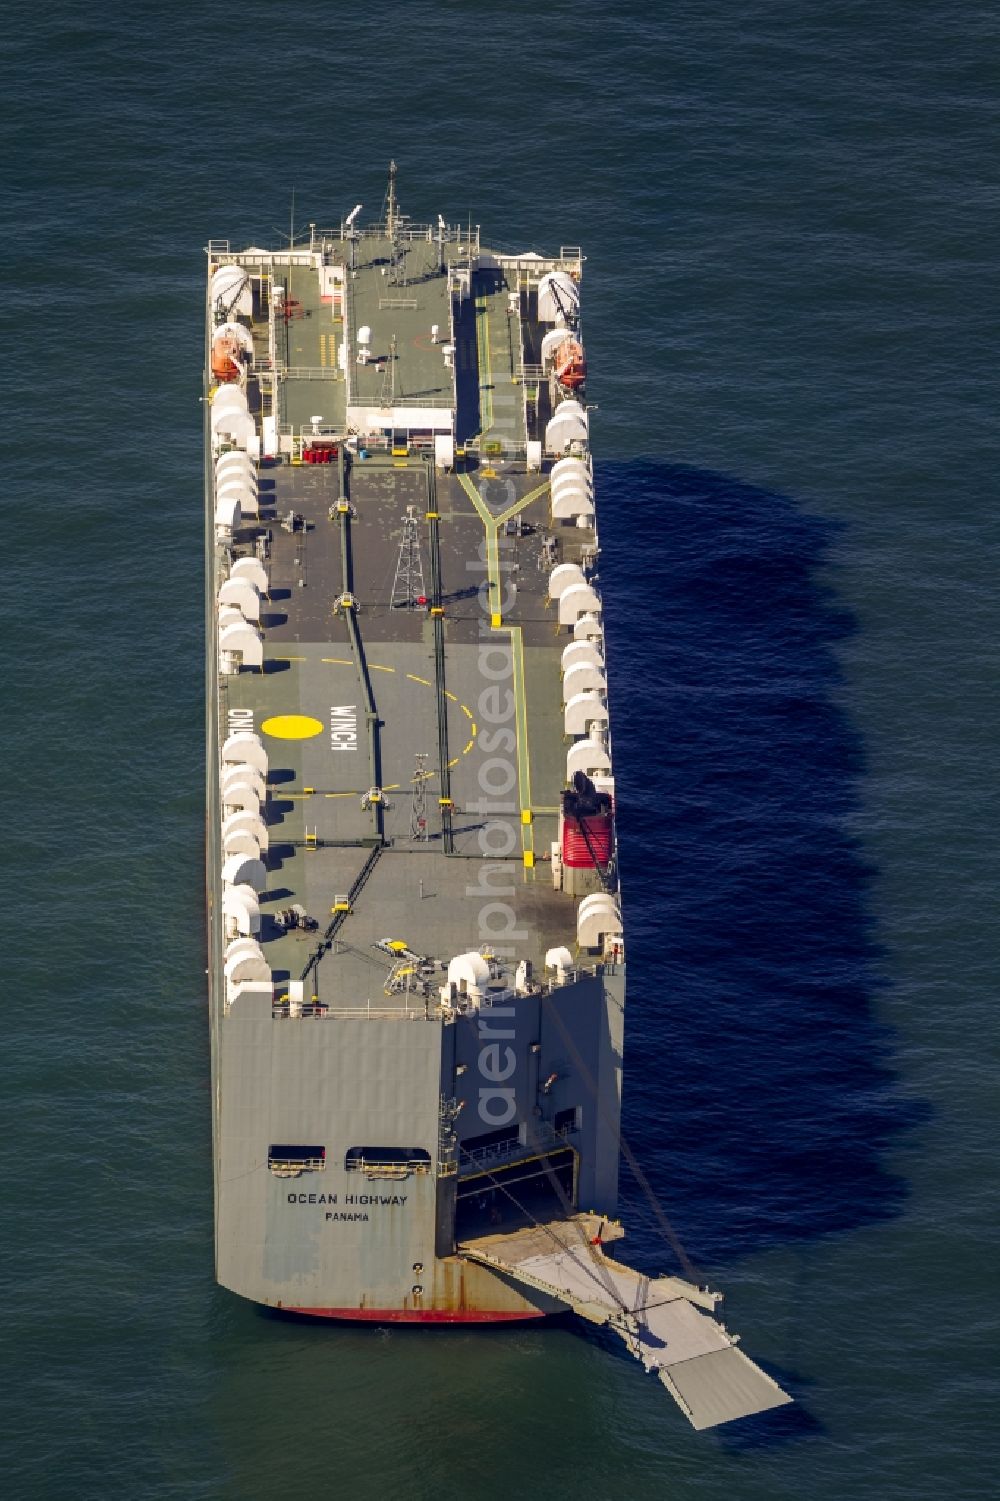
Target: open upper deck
(410, 694)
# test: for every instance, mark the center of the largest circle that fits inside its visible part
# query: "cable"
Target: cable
(601, 1273)
(670, 1235)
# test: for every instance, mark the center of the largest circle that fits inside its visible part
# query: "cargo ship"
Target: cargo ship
(416, 948)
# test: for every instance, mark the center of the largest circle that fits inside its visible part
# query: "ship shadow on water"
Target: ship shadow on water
(759, 1093)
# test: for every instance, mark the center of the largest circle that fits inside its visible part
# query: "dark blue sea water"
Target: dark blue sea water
(790, 214)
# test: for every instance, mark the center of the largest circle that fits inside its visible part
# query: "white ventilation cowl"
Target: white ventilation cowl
(252, 569)
(242, 641)
(588, 756)
(598, 921)
(241, 795)
(582, 712)
(470, 973)
(241, 910)
(244, 870)
(582, 651)
(564, 577)
(579, 599)
(246, 821)
(241, 595)
(588, 628)
(560, 960)
(245, 748)
(234, 773)
(583, 677)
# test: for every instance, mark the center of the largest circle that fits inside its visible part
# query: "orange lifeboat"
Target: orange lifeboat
(570, 364)
(227, 357)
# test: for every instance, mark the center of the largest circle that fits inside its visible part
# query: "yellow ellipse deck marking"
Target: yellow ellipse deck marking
(374, 667)
(286, 659)
(465, 707)
(454, 697)
(414, 679)
(338, 661)
(292, 727)
(469, 746)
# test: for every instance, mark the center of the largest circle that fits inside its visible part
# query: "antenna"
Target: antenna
(418, 806)
(390, 216)
(408, 585)
(393, 225)
(291, 222)
(441, 229)
(387, 397)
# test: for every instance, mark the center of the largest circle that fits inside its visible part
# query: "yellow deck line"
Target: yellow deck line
(346, 662)
(492, 525)
(521, 714)
(492, 552)
(519, 505)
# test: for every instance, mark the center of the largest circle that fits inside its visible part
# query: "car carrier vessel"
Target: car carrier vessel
(417, 964)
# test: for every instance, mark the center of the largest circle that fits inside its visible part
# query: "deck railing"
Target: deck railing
(543, 1139)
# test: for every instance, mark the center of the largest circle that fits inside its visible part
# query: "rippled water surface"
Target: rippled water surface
(790, 219)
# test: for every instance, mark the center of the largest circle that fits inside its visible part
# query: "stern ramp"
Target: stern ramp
(660, 1319)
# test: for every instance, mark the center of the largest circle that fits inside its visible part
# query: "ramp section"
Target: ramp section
(661, 1320)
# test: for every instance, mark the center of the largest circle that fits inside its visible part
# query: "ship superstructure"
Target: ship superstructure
(417, 958)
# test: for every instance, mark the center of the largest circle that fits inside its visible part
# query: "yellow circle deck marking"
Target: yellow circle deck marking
(292, 727)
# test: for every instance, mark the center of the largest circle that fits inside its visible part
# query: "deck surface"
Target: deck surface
(486, 713)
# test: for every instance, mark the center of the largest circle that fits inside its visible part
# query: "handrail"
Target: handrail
(365, 1013)
(545, 1141)
(401, 399)
(297, 372)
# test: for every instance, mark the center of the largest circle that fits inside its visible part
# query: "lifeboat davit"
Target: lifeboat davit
(570, 364)
(232, 347)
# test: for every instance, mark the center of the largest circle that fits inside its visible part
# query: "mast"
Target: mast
(390, 213)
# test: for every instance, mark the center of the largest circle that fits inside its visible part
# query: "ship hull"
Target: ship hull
(487, 1104)
(408, 1316)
